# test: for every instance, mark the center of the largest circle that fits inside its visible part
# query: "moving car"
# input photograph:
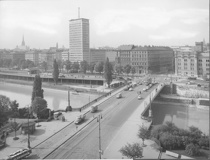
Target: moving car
(144, 89)
(79, 119)
(131, 89)
(94, 109)
(139, 97)
(126, 89)
(119, 95)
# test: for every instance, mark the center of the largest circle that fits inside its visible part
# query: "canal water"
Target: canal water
(56, 99)
(181, 115)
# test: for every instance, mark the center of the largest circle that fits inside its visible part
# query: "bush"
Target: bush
(192, 150)
(204, 142)
(132, 150)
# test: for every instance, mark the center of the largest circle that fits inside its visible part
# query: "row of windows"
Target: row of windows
(139, 63)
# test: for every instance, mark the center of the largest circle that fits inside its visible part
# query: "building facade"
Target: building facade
(97, 55)
(186, 64)
(147, 59)
(203, 65)
(111, 54)
(32, 56)
(79, 47)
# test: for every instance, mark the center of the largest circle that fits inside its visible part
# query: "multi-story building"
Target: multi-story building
(199, 46)
(146, 59)
(43, 56)
(97, 55)
(203, 65)
(65, 55)
(111, 54)
(79, 40)
(186, 64)
(194, 62)
(32, 56)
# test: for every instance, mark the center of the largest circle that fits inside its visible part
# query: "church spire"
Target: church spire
(23, 42)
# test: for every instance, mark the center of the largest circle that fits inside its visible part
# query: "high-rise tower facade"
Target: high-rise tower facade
(79, 47)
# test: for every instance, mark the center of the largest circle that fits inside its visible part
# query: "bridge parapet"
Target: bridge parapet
(148, 100)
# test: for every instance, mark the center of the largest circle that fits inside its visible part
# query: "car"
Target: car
(126, 89)
(79, 119)
(94, 109)
(119, 95)
(144, 89)
(139, 97)
(131, 89)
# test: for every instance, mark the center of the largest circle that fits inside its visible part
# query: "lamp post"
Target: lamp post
(99, 120)
(28, 128)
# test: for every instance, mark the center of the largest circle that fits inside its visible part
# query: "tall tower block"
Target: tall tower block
(79, 47)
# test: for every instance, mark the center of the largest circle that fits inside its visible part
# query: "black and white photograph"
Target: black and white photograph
(104, 79)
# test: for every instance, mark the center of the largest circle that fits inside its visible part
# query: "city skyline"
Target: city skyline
(112, 23)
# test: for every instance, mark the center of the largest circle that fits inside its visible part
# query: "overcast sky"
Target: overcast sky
(112, 22)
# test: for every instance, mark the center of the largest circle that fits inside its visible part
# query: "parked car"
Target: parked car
(94, 108)
(119, 95)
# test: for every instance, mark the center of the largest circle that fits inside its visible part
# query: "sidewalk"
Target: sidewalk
(45, 130)
(128, 134)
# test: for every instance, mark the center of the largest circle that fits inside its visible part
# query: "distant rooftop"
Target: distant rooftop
(125, 47)
(79, 19)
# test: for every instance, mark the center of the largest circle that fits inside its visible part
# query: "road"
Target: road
(85, 145)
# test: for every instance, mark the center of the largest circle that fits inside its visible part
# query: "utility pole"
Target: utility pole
(28, 128)
(68, 97)
(99, 120)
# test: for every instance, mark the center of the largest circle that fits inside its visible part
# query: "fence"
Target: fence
(97, 99)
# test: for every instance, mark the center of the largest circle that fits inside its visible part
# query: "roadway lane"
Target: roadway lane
(85, 145)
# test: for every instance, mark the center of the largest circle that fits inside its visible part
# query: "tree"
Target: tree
(4, 109)
(55, 71)
(68, 65)
(132, 150)
(14, 109)
(167, 140)
(37, 88)
(127, 69)
(83, 66)
(75, 66)
(60, 66)
(192, 150)
(98, 67)
(133, 70)
(44, 66)
(91, 67)
(118, 68)
(38, 106)
(108, 72)
(143, 133)
(158, 130)
(15, 126)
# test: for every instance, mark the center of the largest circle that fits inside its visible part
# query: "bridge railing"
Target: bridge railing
(150, 98)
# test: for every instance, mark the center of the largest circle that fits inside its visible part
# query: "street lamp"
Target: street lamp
(28, 127)
(99, 120)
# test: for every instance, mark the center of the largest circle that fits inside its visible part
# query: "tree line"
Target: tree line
(169, 137)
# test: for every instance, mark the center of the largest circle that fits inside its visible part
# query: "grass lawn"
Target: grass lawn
(204, 154)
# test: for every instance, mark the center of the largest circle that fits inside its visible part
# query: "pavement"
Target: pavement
(126, 134)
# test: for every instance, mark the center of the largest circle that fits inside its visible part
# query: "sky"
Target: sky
(112, 22)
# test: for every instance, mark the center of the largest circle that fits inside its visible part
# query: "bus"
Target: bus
(20, 154)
